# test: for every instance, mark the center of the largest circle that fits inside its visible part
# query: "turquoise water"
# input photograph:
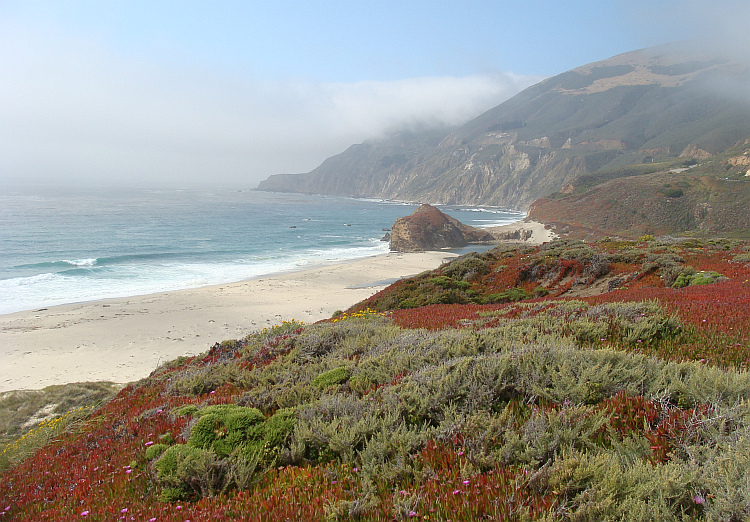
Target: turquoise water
(69, 246)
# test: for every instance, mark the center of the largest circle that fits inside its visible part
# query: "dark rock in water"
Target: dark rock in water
(293, 226)
(430, 229)
(386, 237)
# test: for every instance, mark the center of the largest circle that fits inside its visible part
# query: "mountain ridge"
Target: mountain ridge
(646, 105)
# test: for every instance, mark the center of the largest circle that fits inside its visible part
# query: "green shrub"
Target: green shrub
(185, 411)
(166, 438)
(154, 451)
(468, 266)
(683, 279)
(442, 281)
(227, 447)
(512, 295)
(173, 457)
(243, 420)
(332, 377)
(672, 192)
(697, 278)
(206, 431)
(407, 303)
(225, 427)
(279, 426)
(222, 410)
(187, 472)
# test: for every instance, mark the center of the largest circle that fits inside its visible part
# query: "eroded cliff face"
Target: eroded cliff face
(427, 228)
(498, 174)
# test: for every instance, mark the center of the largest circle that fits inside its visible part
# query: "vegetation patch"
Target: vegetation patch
(627, 403)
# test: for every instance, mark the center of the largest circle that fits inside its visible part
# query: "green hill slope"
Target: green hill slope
(710, 198)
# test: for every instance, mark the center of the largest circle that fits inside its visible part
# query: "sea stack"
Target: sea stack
(427, 228)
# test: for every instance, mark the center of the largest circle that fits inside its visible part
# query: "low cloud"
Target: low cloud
(71, 111)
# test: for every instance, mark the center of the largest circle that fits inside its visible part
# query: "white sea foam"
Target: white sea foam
(43, 290)
(81, 262)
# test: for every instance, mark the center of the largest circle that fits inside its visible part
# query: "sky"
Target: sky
(190, 93)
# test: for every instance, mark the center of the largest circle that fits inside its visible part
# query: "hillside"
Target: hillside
(569, 381)
(709, 198)
(652, 105)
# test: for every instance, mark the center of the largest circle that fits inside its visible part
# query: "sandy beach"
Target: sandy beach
(530, 232)
(122, 340)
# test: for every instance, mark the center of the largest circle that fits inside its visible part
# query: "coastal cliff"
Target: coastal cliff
(644, 107)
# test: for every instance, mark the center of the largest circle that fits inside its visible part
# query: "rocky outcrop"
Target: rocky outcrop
(427, 228)
(514, 235)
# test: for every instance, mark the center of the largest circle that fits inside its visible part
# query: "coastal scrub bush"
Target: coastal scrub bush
(672, 192)
(226, 447)
(331, 377)
(446, 282)
(154, 451)
(668, 265)
(186, 472)
(469, 266)
(509, 296)
(698, 278)
(226, 427)
(203, 379)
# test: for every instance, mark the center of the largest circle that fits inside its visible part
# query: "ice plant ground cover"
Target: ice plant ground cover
(570, 381)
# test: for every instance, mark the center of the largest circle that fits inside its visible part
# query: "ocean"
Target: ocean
(65, 246)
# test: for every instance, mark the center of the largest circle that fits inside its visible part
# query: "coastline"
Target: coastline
(125, 339)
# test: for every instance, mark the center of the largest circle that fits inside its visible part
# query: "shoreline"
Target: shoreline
(125, 339)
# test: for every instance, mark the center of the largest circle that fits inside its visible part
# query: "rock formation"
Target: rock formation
(427, 228)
